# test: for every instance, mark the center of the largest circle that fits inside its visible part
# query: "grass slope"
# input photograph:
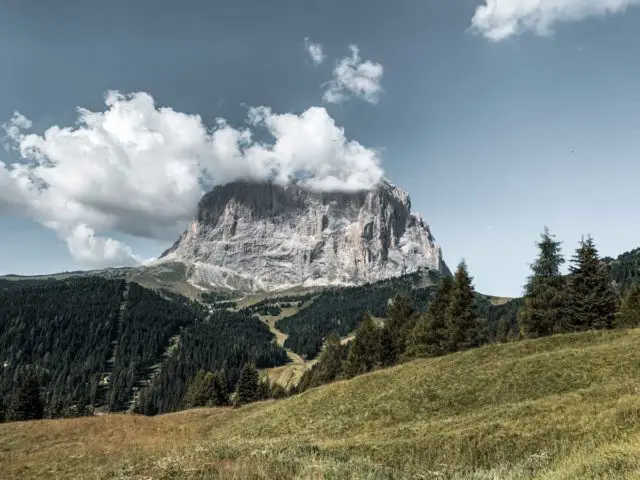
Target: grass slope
(564, 407)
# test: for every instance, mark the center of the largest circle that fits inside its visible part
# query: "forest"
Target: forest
(224, 343)
(90, 344)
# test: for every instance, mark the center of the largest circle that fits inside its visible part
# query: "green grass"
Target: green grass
(565, 407)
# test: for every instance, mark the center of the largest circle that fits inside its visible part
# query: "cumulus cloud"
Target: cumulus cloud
(354, 77)
(500, 19)
(98, 252)
(140, 169)
(315, 51)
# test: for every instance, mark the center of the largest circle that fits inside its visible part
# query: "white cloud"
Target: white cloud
(140, 170)
(500, 19)
(315, 51)
(352, 76)
(98, 252)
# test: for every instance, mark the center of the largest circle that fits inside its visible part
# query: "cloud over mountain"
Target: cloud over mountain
(140, 169)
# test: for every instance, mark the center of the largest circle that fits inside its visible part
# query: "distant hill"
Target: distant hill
(559, 408)
(93, 342)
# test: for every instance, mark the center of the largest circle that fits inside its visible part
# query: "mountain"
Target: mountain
(260, 236)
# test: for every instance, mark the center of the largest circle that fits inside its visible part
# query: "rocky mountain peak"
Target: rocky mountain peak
(261, 236)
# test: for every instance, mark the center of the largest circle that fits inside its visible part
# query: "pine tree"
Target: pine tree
(248, 388)
(629, 316)
(26, 403)
(330, 361)
(388, 354)
(592, 302)
(430, 336)
(401, 319)
(544, 309)
(460, 314)
(220, 391)
(197, 394)
(364, 353)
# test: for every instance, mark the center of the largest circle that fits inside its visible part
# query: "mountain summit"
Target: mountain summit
(261, 236)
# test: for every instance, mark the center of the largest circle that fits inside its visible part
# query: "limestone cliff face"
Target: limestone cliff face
(253, 236)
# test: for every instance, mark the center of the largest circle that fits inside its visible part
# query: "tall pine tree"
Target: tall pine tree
(544, 309)
(248, 389)
(364, 353)
(401, 319)
(26, 403)
(460, 315)
(630, 310)
(430, 336)
(592, 301)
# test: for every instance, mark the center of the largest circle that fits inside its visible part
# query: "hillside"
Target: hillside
(563, 407)
(93, 343)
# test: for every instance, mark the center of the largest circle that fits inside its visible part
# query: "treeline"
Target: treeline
(339, 311)
(458, 319)
(450, 323)
(625, 269)
(58, 334)
(70, 347)
(149, 320)
(221, 346)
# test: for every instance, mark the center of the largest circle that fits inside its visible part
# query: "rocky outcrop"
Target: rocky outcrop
(253, 236)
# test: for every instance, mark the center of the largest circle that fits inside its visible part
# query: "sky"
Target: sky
(499, 117)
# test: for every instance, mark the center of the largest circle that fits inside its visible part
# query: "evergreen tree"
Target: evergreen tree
(460, 314)
(544, 309)
(220, 393)
(387, 354)
(630, 310)
(264, 389)
(248, 389)
(198, 391)
(503, 331)
(401, 319)
(430, 335)
(330, 361)
(365, 349)
(26, 403)
(592, 302)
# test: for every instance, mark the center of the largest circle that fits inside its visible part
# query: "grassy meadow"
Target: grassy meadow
(562, 407)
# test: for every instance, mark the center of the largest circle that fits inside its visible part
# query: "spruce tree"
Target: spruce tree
(248, 389)
(329, 366)
(364, 352)
(460, 314)
(544, 309)
(401, 319)
(430, 336)
(220, 391)
(592, 301)
(26, 403)
(629, 316)
(197, 394)
(388, 354)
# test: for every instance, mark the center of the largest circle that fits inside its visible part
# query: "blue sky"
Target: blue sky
(495, 130)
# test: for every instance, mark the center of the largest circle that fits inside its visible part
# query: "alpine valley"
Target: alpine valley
(300, 302)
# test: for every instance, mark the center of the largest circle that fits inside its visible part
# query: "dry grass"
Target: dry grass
(565, 407)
